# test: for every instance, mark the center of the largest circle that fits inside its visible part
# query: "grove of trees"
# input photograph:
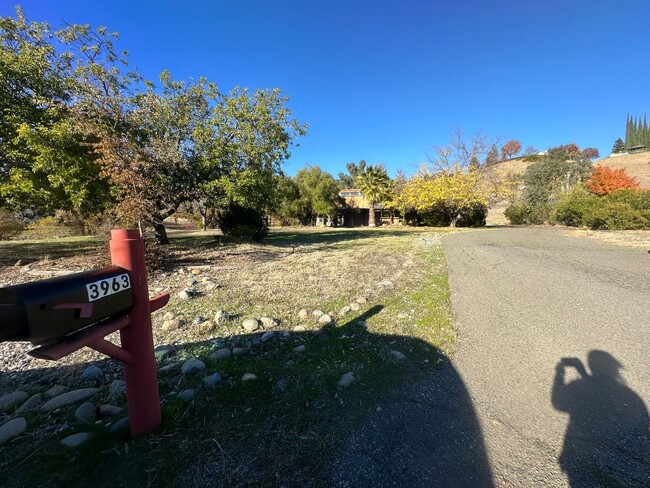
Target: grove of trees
(82, 132)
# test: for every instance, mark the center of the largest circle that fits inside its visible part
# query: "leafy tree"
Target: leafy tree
(375, 185)
(510, 149)
(619, 146)
(349, 180)
(455, 195)
(605, 180)
(591, 153)
(492, 156)
(319, 195)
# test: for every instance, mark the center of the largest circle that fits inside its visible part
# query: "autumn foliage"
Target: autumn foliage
(604, 180)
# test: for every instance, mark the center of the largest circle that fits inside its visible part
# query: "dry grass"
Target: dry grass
(283, 428)
(629, 238)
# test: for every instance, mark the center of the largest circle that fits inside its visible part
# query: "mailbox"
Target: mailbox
(45, 311)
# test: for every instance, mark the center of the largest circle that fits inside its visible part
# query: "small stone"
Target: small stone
(248, 377)
(221, 317)
(196, 271)
(31, 403)
(186, 395)
(12, 429)
(91, 373)
(289, 363)
(345, 310)
(355, 307)
(75, 440)
(56, 390)
(120, 425)
(162, 352)
(303, 313)
(192, 366)
(18, 263)
(325, 319)
(168, 367)
(181, 271)
(347, 379)
(386, 283)
(397, 355)
(110, 410)
(361, 323)
(68, 398)
(269, 322)
(300, 348)
(168, 316)
(317, 313)
(169, 325)
(11, 400)
(361, 300)
(117, 388)
(285, 334)
(198, 320)
(206, 327)
(299, 328)
(212, 380)
(184, 294)
(254, 342)
(211, 286)
(85, 412)
(220, 354)
(267, 336)
(251, 325)
(238, 351)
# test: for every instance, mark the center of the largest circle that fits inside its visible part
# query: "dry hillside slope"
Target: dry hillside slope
(637, 165)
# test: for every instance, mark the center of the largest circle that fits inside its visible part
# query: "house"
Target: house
(356, 211)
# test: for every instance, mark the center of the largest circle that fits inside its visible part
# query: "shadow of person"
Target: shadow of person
(607, 442)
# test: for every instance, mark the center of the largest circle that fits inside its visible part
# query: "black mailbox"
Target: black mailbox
(45, 311)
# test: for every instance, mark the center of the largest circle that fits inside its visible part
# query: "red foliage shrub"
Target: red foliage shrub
(604, 180)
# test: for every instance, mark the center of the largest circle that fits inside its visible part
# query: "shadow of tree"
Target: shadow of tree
(404, 421)
(607, 441)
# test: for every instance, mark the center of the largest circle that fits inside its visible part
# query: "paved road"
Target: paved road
(508, 409)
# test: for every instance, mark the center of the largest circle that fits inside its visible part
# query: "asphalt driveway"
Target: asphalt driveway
(551, 382)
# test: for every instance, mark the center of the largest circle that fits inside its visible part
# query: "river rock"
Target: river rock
(345, 310)
(269, 322)
(56, 390)
(303, 313)
(212, 380)
(317, 313)
(251, 325)
(267, 336)
(347, 379)
(117, 388)
(355, 307)
(11, 429)
(162, 352)
(110, 410)
(91, 373)
(168, 316)
(192, 366)
(186, 395)
(120, 425)
(85, 412)
(361, 300)
(397, 355)
(75, 440)
(169, 325)
(325, 319)
(223, 353)
(248, 377)
(31, 403)
(238, 351)
(206, 327)
(11, 400)
(300, 348)
(221, 317)
(68, 398)
(210, 285)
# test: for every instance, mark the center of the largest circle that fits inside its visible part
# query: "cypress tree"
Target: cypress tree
(628, 132)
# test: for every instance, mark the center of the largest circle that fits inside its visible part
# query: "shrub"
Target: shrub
(10, 225)
(437, 217)
(522, 213)
(574, 205)
(605, 180)
(245, 223)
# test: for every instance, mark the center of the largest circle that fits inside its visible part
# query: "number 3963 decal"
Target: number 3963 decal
(103, 288)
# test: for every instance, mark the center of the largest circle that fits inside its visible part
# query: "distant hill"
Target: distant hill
(637, 165)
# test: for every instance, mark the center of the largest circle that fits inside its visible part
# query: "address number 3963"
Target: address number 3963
(109, 286)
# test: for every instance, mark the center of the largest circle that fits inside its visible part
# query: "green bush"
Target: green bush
(245, 223)
(522, 213)
(437, 217)
(619, 210)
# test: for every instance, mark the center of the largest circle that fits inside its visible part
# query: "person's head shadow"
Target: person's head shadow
(607, 441)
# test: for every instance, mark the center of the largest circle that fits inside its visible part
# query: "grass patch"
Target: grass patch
(284, 427)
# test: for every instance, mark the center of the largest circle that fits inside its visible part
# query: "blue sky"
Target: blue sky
(384, 81)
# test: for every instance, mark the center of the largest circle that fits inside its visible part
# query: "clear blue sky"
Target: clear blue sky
(384, 81)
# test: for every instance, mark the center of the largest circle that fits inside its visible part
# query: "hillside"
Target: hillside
(637, 165)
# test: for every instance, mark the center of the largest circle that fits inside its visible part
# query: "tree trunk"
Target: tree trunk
(371, 216)
(159, 229)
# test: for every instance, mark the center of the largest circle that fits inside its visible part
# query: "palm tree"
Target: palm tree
(375, 185)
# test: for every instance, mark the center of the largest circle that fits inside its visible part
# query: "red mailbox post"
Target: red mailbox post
(136, 351)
